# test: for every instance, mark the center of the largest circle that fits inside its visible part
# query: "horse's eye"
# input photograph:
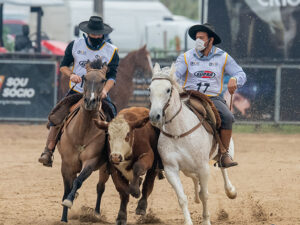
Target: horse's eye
(103, 81)
(168, 91)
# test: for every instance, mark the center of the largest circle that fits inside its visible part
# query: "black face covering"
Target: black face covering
(95, 41)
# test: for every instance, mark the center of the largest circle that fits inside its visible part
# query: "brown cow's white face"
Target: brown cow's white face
(120, 139)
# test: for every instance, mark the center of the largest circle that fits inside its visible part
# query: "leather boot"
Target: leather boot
(47, 155)
(225, 160)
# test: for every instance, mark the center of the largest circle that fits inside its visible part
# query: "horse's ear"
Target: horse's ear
(139, 123)
(105, 68)
(102, 125)
(156, 68)
(173, 70)
(88, 66)
(144, 47)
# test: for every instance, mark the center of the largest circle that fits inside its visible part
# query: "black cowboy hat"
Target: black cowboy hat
(208, 28)
(95, 26)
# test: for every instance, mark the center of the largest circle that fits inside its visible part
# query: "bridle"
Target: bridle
(168, 102)
(169, 121)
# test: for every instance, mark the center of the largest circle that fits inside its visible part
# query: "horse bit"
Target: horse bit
(169, 121)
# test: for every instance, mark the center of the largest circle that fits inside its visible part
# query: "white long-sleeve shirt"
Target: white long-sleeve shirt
(195, 71)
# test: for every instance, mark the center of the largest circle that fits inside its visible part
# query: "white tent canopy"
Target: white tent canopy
(33, 3)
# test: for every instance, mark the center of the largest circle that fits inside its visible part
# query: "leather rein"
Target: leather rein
(169, 121)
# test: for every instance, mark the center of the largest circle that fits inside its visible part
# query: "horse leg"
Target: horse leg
(229, 188)
(172, 175)
(204, 175)
(103, 177)
(146, 191)
(122, 186)
(197, 189)
(68, 179)
(84, 174)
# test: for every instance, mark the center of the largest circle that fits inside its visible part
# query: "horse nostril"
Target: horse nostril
(158, 117)
(120, 158)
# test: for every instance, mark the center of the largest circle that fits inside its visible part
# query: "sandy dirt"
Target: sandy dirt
(267, 181)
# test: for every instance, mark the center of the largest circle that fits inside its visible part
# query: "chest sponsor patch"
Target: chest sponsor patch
(194, 63)
(213, 64)
(83, 63)
(204, 74)
(81, 52)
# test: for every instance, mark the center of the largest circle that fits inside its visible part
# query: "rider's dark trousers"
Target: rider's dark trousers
(225, 114)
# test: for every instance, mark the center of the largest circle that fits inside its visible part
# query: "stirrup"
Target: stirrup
(222, 164)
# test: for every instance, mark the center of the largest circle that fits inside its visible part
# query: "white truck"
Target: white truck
(135, 23)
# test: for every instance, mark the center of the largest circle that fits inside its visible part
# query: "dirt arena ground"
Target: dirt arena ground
(267, 180)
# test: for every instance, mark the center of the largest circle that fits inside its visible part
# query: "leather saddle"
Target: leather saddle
(68, 107)
(205, 110)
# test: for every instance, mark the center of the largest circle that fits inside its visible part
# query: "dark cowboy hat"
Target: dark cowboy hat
(95, 26)
(208, 28)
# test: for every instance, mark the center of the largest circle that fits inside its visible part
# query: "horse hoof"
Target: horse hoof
(140, 212)
(135, 192)
(121, 222)
(231, 193)
(206, 223)
(67, 203)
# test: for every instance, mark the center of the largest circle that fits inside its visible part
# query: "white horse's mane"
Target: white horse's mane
(167, 73)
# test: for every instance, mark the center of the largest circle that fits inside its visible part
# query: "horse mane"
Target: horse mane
(96, 64)
(167, 73)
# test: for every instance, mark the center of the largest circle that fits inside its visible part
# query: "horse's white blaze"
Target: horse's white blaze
(92, 95)
(118, 130)
(189, 154)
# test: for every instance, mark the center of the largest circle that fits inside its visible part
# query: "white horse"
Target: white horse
(183, 143)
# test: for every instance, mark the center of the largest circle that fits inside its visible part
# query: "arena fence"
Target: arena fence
(29, 88)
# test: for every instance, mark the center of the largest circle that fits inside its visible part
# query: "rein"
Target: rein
(169, 121)
(168, 102)
(184, 134)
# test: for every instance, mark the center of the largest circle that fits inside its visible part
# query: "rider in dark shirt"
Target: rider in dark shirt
(78, 53)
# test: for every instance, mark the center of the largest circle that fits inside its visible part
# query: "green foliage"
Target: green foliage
(8, 44)
(267, 128)
(188, 8)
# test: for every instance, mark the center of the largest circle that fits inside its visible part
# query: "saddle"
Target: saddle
(205, 110)
(68, 107)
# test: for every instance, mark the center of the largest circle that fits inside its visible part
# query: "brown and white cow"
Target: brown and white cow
(133, 153)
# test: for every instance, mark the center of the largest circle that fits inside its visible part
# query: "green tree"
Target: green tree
(188, 8)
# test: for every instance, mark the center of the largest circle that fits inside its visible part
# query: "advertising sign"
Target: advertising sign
(289, 95)
(257, 28)
(255, 101)
(27, 90)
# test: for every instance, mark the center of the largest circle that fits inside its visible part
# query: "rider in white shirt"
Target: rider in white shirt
(202, 68)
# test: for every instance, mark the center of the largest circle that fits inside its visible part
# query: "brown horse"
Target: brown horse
(82, 144)
(135, 61)
(133, 153)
